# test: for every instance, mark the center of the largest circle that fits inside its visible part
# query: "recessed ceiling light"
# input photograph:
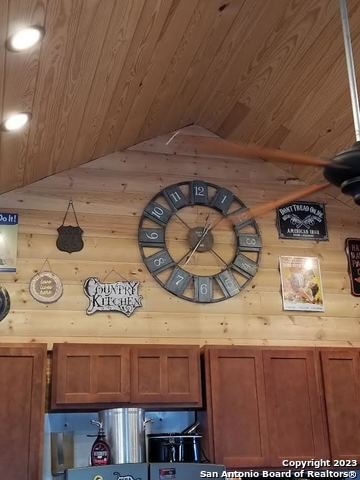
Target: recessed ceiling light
(16, 121)
(25, 38)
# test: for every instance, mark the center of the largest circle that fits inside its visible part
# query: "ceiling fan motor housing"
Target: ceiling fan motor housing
(344, 171)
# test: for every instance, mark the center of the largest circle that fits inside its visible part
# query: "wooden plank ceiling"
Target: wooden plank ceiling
(109, 74)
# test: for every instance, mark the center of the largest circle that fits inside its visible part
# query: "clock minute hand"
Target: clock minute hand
(205, 231)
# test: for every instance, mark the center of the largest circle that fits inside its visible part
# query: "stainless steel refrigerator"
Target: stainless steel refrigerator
(146, 471)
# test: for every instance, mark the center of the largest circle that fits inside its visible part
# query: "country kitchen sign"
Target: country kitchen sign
(115, 297)
(302, 221)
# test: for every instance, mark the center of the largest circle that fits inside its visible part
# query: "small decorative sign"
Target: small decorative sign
(69, 236)
(301, 284)
(117, 297)
(302, 220)
(8, 241)
(4, 303)
(46, 287)
(352, 248)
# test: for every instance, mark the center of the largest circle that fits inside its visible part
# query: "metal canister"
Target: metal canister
(125, 432)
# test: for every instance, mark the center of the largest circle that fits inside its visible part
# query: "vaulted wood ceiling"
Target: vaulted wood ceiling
(112, 73)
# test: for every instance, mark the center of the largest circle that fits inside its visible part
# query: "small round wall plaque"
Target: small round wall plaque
(46, 287)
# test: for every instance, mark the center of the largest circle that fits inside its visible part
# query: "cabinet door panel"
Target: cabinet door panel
(238, 407)
(90, 374)
(110, 374)
(341, 372)
(147, 379)
(22, 405)
(295, 420)
(165, 374)
(77, 374)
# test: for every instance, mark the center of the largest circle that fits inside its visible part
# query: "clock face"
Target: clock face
(192, 248)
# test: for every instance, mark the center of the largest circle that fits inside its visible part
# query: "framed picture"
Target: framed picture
(301, 284)
(8, 241)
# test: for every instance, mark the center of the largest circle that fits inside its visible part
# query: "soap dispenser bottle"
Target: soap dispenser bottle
(100, 451)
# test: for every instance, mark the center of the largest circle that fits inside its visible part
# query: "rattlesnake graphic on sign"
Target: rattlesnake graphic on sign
(308, 221)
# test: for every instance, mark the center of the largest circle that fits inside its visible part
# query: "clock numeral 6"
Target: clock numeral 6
(203, 289)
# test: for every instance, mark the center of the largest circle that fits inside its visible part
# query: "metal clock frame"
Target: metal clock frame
(160, 216)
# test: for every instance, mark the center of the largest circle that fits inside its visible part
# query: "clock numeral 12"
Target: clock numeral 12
(178, 281)
(203, 289)
(199, 192)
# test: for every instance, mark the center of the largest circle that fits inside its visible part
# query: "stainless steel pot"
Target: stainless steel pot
(174, 447)
(125, 432)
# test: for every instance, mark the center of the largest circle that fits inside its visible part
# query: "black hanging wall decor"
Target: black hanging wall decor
(352, 249)
(69, 236)
(4, 303)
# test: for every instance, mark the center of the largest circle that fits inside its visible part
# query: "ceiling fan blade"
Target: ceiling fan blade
(262, 209)
(219, 146)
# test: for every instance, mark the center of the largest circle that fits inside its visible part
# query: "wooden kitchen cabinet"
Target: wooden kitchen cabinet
(294, 407)
(341, 374)
(234, 422)
(262, 406)
(166, 374)
(95, 375)
(90, 375)
(22, 408)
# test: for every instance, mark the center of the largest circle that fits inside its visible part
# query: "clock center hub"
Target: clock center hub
(196, 234)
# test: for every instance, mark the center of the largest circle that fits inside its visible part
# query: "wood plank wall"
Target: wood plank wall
(109, 195)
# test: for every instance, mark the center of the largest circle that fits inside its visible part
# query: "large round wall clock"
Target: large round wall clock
(192, 248)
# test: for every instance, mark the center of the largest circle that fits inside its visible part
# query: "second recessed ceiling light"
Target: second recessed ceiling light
(25, 38)
(16, 121)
